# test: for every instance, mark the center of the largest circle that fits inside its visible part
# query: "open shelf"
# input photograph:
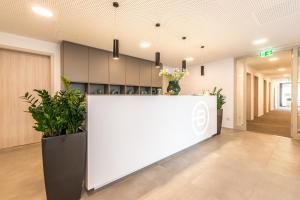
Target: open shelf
(83, 87)
(116, 89)
(156, 90)
(98, 89)
(145, 90)
(132, 90)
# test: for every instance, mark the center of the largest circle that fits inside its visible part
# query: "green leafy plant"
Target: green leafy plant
(56, 115)
(220, 97)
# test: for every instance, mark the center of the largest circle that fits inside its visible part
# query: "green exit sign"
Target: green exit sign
(266, 53)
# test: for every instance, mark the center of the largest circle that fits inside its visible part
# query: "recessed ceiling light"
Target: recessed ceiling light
(260, 41)
(42, 11)
(286, 75)
(189, 59)
(145, 44)
(273, 59)
(281, 69)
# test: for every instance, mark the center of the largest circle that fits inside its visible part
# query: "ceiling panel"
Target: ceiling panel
(226, 28)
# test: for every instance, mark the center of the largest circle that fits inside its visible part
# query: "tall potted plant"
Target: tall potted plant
(220, 103)
(173, 78)
(59, 118)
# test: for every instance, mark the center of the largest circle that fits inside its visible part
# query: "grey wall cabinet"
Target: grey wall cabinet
(75, 62)
(156, 79)
(117, 70)
(98, 66)
(145, 73)
(133, 71)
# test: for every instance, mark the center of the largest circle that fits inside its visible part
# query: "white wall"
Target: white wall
(218, 73)
(21, 43)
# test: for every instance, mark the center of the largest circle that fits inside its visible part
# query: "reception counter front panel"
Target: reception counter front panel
(128, 133)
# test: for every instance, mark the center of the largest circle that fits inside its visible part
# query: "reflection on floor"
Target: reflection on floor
(232, 166)
(274, 122)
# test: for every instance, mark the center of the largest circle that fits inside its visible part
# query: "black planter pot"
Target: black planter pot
(64, 165)
(219, 120)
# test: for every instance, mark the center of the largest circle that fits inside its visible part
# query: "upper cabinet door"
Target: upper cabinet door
(75, 62)
(156, 79)
(133, 71)
(145, 73)
(98, 66)
(117, 70)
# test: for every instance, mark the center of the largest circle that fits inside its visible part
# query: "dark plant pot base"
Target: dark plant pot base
(64, 165)
(219, 121)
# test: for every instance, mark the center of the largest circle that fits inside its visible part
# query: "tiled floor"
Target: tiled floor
(234, 165)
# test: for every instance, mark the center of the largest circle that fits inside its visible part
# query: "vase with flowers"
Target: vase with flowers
(173, 77)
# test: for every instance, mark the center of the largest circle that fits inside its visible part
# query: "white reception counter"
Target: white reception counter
(128, 133)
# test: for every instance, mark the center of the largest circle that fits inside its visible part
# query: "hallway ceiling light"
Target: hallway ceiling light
(189, 59)
(273, 59)
(281, 69)
(260, 41)
(145, 45)
(42, 11)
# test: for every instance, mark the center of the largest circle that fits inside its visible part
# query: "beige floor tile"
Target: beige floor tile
(236, 165)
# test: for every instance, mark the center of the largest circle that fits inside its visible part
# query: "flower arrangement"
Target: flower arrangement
(176, 75)
(173, 78)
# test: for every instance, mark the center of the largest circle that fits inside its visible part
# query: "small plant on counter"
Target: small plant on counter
(173, 78)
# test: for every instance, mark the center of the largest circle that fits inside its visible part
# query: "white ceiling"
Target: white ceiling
(226, 27)
(270, 68)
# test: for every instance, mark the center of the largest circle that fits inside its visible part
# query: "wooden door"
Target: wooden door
(255, 96)
(249, 102)
(20, 72)
(265, 96)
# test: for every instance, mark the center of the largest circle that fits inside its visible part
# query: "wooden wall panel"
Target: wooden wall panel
(156, 79)
(98, 66)
(133, 71)
(20, 72)
(75, 62)
(145, 73)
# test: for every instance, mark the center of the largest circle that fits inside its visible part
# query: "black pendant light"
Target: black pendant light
(116, 49)
(157, 59)
(202, 66)
(202, 70)
(115, 41)
(183, 65)
(157, 54)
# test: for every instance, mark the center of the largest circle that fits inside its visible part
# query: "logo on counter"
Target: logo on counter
(200, 118)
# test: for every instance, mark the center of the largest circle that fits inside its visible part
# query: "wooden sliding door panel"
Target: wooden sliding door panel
(20, 72)
(98, 66)
(133, 71)
(156, 79)
(145, 73)
(117, 70)
(76, 62)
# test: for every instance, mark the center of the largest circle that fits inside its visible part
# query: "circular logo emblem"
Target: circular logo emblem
(200, 118)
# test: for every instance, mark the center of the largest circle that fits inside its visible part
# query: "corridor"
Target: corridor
(276, 122)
